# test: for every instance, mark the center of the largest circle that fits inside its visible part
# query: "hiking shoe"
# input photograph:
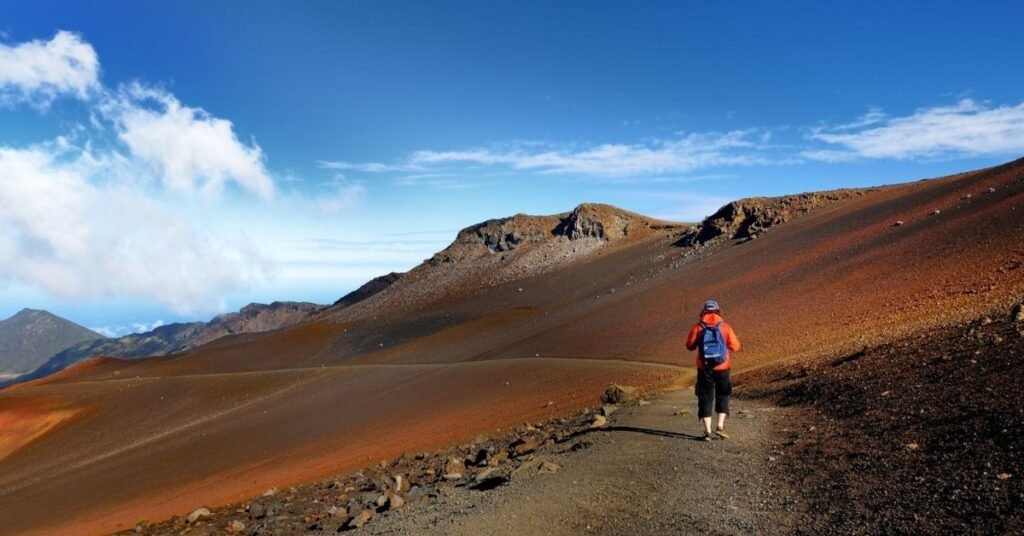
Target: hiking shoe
(705, 437)
(721, 433)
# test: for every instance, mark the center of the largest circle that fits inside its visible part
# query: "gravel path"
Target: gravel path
(646, 473)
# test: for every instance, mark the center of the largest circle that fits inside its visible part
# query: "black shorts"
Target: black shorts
(713, 389)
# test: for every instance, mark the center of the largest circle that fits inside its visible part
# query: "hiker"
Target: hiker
(714, 340)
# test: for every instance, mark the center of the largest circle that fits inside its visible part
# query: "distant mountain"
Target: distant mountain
(31, 336)
(179, 337)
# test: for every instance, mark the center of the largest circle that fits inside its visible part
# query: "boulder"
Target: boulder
(600, 421)
(619, 394)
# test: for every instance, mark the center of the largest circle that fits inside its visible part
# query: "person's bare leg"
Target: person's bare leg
(721, 420)
(707, 425)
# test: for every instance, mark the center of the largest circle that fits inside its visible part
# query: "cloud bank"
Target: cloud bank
(81, 223)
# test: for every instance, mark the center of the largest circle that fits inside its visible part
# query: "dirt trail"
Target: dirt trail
(646, 473)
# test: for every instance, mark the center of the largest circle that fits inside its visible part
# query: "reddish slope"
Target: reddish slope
(247, 412)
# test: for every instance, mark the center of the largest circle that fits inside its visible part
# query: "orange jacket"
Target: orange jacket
(732, 343)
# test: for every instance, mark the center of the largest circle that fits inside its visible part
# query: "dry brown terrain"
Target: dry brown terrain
(516, 314)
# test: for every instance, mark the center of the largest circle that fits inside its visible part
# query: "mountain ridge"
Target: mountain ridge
(31, 336)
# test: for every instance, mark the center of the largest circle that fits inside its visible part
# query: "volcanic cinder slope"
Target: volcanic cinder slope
(518, 319)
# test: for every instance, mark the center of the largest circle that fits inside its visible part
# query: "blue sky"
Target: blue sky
(169, 161)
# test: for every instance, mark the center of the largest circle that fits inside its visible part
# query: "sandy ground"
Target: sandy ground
(644, 474)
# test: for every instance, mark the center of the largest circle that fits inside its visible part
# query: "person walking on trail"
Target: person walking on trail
(714, 340)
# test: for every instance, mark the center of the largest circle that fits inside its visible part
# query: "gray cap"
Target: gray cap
(711, 305)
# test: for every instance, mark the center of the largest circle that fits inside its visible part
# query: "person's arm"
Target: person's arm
(691, 341)
(731, 340)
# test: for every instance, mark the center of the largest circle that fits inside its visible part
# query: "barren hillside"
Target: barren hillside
(519, 319)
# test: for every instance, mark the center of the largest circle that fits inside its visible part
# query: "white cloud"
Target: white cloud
(678, 155)
(366, 167)
(682, 154)
(66, 230)
(185, 147)
(967, 128)
(39, 71)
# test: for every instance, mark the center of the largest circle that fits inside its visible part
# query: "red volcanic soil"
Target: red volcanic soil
(486, 333)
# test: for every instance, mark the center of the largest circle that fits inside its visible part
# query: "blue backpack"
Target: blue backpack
(712, 346)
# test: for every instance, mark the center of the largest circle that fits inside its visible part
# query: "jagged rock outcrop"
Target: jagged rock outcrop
(747, 218)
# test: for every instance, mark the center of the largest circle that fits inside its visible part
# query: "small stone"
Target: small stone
(608, 409)
(885, 394)
(337, 511)
(897, 223)
(1018, 313)
(913, 446)
(452, 477)
(599, 421)
(454, 466)
(235, 526)
(401, 484)
(525, 446)
(986, 321)
(197, 514)
(256, 511)
(489, 479)
(270, 492)
(936, 212)
(358, 521)
(389, 501)
(1004, 476)
(991, 190)
(643, 402)
(417, 492)
(687, 412)
(997, 340)
(548, 468)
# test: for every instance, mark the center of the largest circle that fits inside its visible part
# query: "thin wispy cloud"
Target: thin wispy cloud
(967, 128)
(683, 154)
(37, 72)
(650, 160)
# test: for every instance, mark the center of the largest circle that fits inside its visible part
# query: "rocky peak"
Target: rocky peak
(592, 220)
(505, 234)
(747, 218)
